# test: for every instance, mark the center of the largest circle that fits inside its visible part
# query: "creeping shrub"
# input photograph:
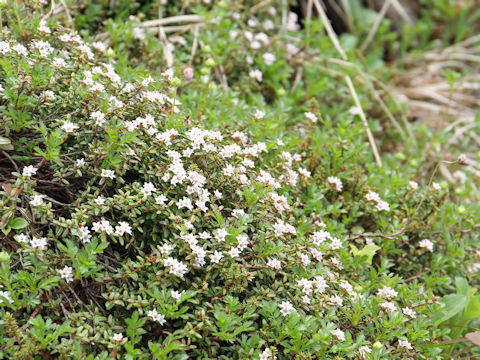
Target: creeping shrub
(132, 230)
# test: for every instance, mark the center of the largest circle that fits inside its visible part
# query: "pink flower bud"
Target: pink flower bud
(188, 73)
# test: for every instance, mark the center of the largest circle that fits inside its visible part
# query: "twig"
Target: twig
(376, 25)
(11, 160)
(195, 44)
(401, 11)
(259, 5)
(336, 43)
(298, 77)
(364, 120)
(380, 235)
(338, 10)
(167, 52)
(79, 300)
(69, 17)
(348, 13)
(171, 20)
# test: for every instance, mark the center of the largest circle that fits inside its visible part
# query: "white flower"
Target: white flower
(4, 47)
(304, 259)
(156, 316)
(139, 33)
(103, 226)
(268, 25)
(372, 196)
(83, 232)
(37, 200)
(274, 264)
(339, 334)
(67, 274)
(20, 49)
(80, 162)
(122, 228)
(175, 267)
(148, 188)
(256, 74)
(363, 351)
(436, 186)
(229, 170)
(185, 203)
(216, 257)
(404, 344)
(108, 174)
(168, 74)
(29, 170)
(267, 355)
(286, 308)
(221, 234)
(388, 305)
(336, 182)
(165, 249)
(49, 95)
(99, 200)
(6, 295)
(354, 110)
(259, 114)
(383, 206)
(21, 238)
(43, 27)
(99, 117)
(409, 312)
(69, 127)
(234, 252)
(387, 293)
(59, 62)
(99, 46)
(176, 295)
(38, 243)
(413, 185)
(311, 116)
(426, 244)
(269, 58)
(117, 337)
(335, 300)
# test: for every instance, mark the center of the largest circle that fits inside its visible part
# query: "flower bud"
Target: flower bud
(176, 82)
(188, 73)
(210, 62)
(4, 256)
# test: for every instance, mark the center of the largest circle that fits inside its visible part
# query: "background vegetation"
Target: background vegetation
(239, 180)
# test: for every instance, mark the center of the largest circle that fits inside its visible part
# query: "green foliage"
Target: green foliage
(207, 216)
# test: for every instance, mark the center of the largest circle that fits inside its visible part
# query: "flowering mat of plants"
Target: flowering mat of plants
(234, 180)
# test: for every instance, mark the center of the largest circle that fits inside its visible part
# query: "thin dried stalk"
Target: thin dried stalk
(171, 20)
(376, 25)
(336, 43)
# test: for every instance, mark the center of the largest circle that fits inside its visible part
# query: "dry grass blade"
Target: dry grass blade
(336, 43)
(443, 105)
(171, 20)
(376, 25)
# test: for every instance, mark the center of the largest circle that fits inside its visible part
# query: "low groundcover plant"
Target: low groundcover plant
(133, 232)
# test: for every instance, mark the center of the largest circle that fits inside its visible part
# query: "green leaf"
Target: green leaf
(18, 223)
(4, 141)
(462, 286)
(453, 304)
(472, 310)
(368, 251)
